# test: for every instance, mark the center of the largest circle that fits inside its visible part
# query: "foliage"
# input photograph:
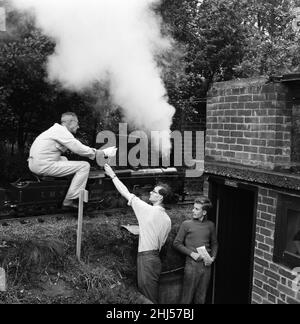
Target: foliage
(212, 37)
(22, 75)
(12, 166)
(225, 39)
(273, 45)
(25, 261)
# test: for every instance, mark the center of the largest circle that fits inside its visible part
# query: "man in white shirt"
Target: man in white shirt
(155, 226)
(46, 156)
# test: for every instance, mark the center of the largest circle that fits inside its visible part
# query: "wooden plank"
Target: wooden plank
(2, 19)
(2, 280)
(83, 198)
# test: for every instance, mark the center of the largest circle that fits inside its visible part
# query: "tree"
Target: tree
(221, 40)
(212, 37)
(273, 46)
(22, 75)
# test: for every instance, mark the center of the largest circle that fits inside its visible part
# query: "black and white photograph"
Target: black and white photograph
(150, 154)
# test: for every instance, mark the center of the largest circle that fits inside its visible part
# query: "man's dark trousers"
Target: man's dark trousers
(148, 273)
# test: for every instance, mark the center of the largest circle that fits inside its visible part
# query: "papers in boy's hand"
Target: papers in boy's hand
(204, 254)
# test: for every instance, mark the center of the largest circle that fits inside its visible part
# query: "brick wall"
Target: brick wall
(252, 123)
(272, 283)
(249, 123)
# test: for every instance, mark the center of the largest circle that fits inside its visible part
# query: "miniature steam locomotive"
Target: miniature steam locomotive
(44, 195)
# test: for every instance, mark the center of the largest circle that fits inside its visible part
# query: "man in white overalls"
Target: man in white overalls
(46, 156)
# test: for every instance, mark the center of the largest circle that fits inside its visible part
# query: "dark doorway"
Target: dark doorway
(234, 216)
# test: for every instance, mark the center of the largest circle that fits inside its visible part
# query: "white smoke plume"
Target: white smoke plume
(114, 41)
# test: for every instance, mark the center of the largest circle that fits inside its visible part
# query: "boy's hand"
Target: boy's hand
(195, 256)
(208, 263)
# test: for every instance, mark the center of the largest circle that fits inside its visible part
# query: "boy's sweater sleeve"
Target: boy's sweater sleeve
(179, 241)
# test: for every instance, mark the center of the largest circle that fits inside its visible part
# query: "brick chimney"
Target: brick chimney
(249, 123)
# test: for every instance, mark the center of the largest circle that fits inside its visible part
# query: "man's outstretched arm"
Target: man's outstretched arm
(118, 184)
(67, 139)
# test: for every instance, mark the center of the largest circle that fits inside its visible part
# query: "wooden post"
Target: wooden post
(2, 280)
(83, 198)
(2, 17)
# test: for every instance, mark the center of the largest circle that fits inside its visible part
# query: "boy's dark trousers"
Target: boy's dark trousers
(196, 282)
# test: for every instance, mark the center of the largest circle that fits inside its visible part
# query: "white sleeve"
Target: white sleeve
(66, 139)
(130, 200)
(139, 207)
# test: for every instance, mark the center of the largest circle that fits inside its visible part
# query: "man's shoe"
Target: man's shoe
(71, 207)
(70, 203)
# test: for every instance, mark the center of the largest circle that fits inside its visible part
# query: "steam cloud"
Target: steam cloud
(114, 41)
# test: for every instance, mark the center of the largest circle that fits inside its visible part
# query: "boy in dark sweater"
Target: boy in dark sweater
(193, 235)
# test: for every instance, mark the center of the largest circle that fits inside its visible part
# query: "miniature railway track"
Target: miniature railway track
(58, 215)
(6, 220)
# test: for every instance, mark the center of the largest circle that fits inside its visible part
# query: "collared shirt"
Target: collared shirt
(154, 224)
(50, 145)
